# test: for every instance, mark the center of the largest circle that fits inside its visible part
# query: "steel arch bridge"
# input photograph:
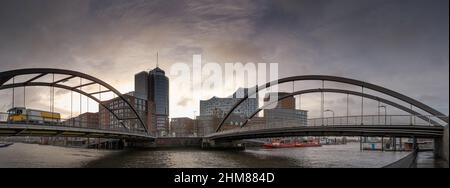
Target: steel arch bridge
(430, 129)
(354, 82)
(38, 73)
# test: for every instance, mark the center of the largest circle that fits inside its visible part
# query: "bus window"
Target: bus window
(12, 112)
(15, 112)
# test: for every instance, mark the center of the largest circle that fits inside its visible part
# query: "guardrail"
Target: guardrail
(377, 120)
(367, 120)
(77, 123)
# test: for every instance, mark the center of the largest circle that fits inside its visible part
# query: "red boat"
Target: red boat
(274, 145)
(308, 144)
(278, 145)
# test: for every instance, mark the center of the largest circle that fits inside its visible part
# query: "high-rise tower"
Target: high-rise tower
(158, 98)
(153, 86)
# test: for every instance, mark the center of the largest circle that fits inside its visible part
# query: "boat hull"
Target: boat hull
(296, 145)
(4, 145)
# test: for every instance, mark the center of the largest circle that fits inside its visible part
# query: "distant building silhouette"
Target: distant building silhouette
(182, 127)
(141, 85)
(284, 113)
(221, 106)
(107, 120)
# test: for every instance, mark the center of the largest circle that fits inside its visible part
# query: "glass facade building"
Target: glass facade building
(220, 106)
(141, 85)
(153, 87)
(284, 113)
(280, 117)
(158, 97)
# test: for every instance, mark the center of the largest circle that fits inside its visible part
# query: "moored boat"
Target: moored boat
(4, 145)
(308, 144)
(278, 145)
(275, 145)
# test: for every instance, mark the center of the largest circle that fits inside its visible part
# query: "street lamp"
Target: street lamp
(385, 113)
(328, 110)
(195, 132)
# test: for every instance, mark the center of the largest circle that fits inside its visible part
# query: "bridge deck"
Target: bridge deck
(62, 131)
(341, 130)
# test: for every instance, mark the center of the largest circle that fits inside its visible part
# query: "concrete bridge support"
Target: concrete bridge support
(167, 142)
(139, 144)
(225, 145)
(441, 146)
(107, 144)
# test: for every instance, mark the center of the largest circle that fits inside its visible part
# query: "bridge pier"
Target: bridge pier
(138, 144)
(225, 145)
(166, 142)
(441, 146)
(121, 144)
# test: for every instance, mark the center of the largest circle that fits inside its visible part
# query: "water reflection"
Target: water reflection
(29, 155)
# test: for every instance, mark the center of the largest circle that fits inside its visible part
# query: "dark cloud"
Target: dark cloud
(400, 44)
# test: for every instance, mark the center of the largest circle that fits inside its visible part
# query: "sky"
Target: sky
(399, 44)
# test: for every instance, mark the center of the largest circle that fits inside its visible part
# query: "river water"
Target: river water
(334, 156)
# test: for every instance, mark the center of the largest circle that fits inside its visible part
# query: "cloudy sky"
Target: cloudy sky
(399, 44)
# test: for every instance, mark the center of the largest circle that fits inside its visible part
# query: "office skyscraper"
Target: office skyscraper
(153, 86)
(158, 97)
(141, 85)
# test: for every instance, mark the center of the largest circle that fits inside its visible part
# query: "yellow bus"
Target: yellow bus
(23, 115)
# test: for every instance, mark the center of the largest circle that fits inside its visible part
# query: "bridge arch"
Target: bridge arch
(342, 91)
(354, 82)
(41, 72)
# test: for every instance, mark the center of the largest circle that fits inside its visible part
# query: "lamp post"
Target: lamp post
(328, 110)
(195, 131)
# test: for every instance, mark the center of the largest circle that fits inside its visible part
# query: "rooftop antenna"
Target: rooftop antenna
(157, 60)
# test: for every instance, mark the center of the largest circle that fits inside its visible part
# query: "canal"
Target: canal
(333, 156)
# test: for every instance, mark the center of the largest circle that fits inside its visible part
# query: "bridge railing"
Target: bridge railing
(421, 120)
(87, 123)
(366, 120)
